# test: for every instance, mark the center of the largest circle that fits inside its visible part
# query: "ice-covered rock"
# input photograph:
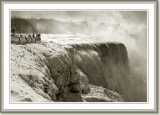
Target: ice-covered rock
(57, 72)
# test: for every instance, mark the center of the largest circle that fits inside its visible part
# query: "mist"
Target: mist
(128, 27)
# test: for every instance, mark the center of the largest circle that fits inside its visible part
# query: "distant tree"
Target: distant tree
(23, 25)
(13, 30)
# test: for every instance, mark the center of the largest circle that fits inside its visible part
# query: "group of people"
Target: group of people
(33, 37)
(29, 37)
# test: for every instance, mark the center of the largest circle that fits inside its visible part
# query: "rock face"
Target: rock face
(53, 72)
(105, 64)
(100, 94)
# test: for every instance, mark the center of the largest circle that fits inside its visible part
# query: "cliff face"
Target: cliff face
(105, 64)
(54, 72)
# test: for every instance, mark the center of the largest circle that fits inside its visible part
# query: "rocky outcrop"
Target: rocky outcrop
(105, 64)
(56, 72)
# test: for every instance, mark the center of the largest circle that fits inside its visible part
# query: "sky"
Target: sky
(102, 16)
(134, 20)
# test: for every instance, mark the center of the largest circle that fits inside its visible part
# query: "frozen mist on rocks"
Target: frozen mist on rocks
(89, 59)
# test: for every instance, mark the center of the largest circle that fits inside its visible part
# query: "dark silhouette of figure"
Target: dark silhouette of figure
(33, 36)
(39, 37)
(30, 37)
(20, 38)
(26, 38)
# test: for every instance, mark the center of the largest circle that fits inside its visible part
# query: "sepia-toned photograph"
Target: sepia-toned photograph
(78, 56)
